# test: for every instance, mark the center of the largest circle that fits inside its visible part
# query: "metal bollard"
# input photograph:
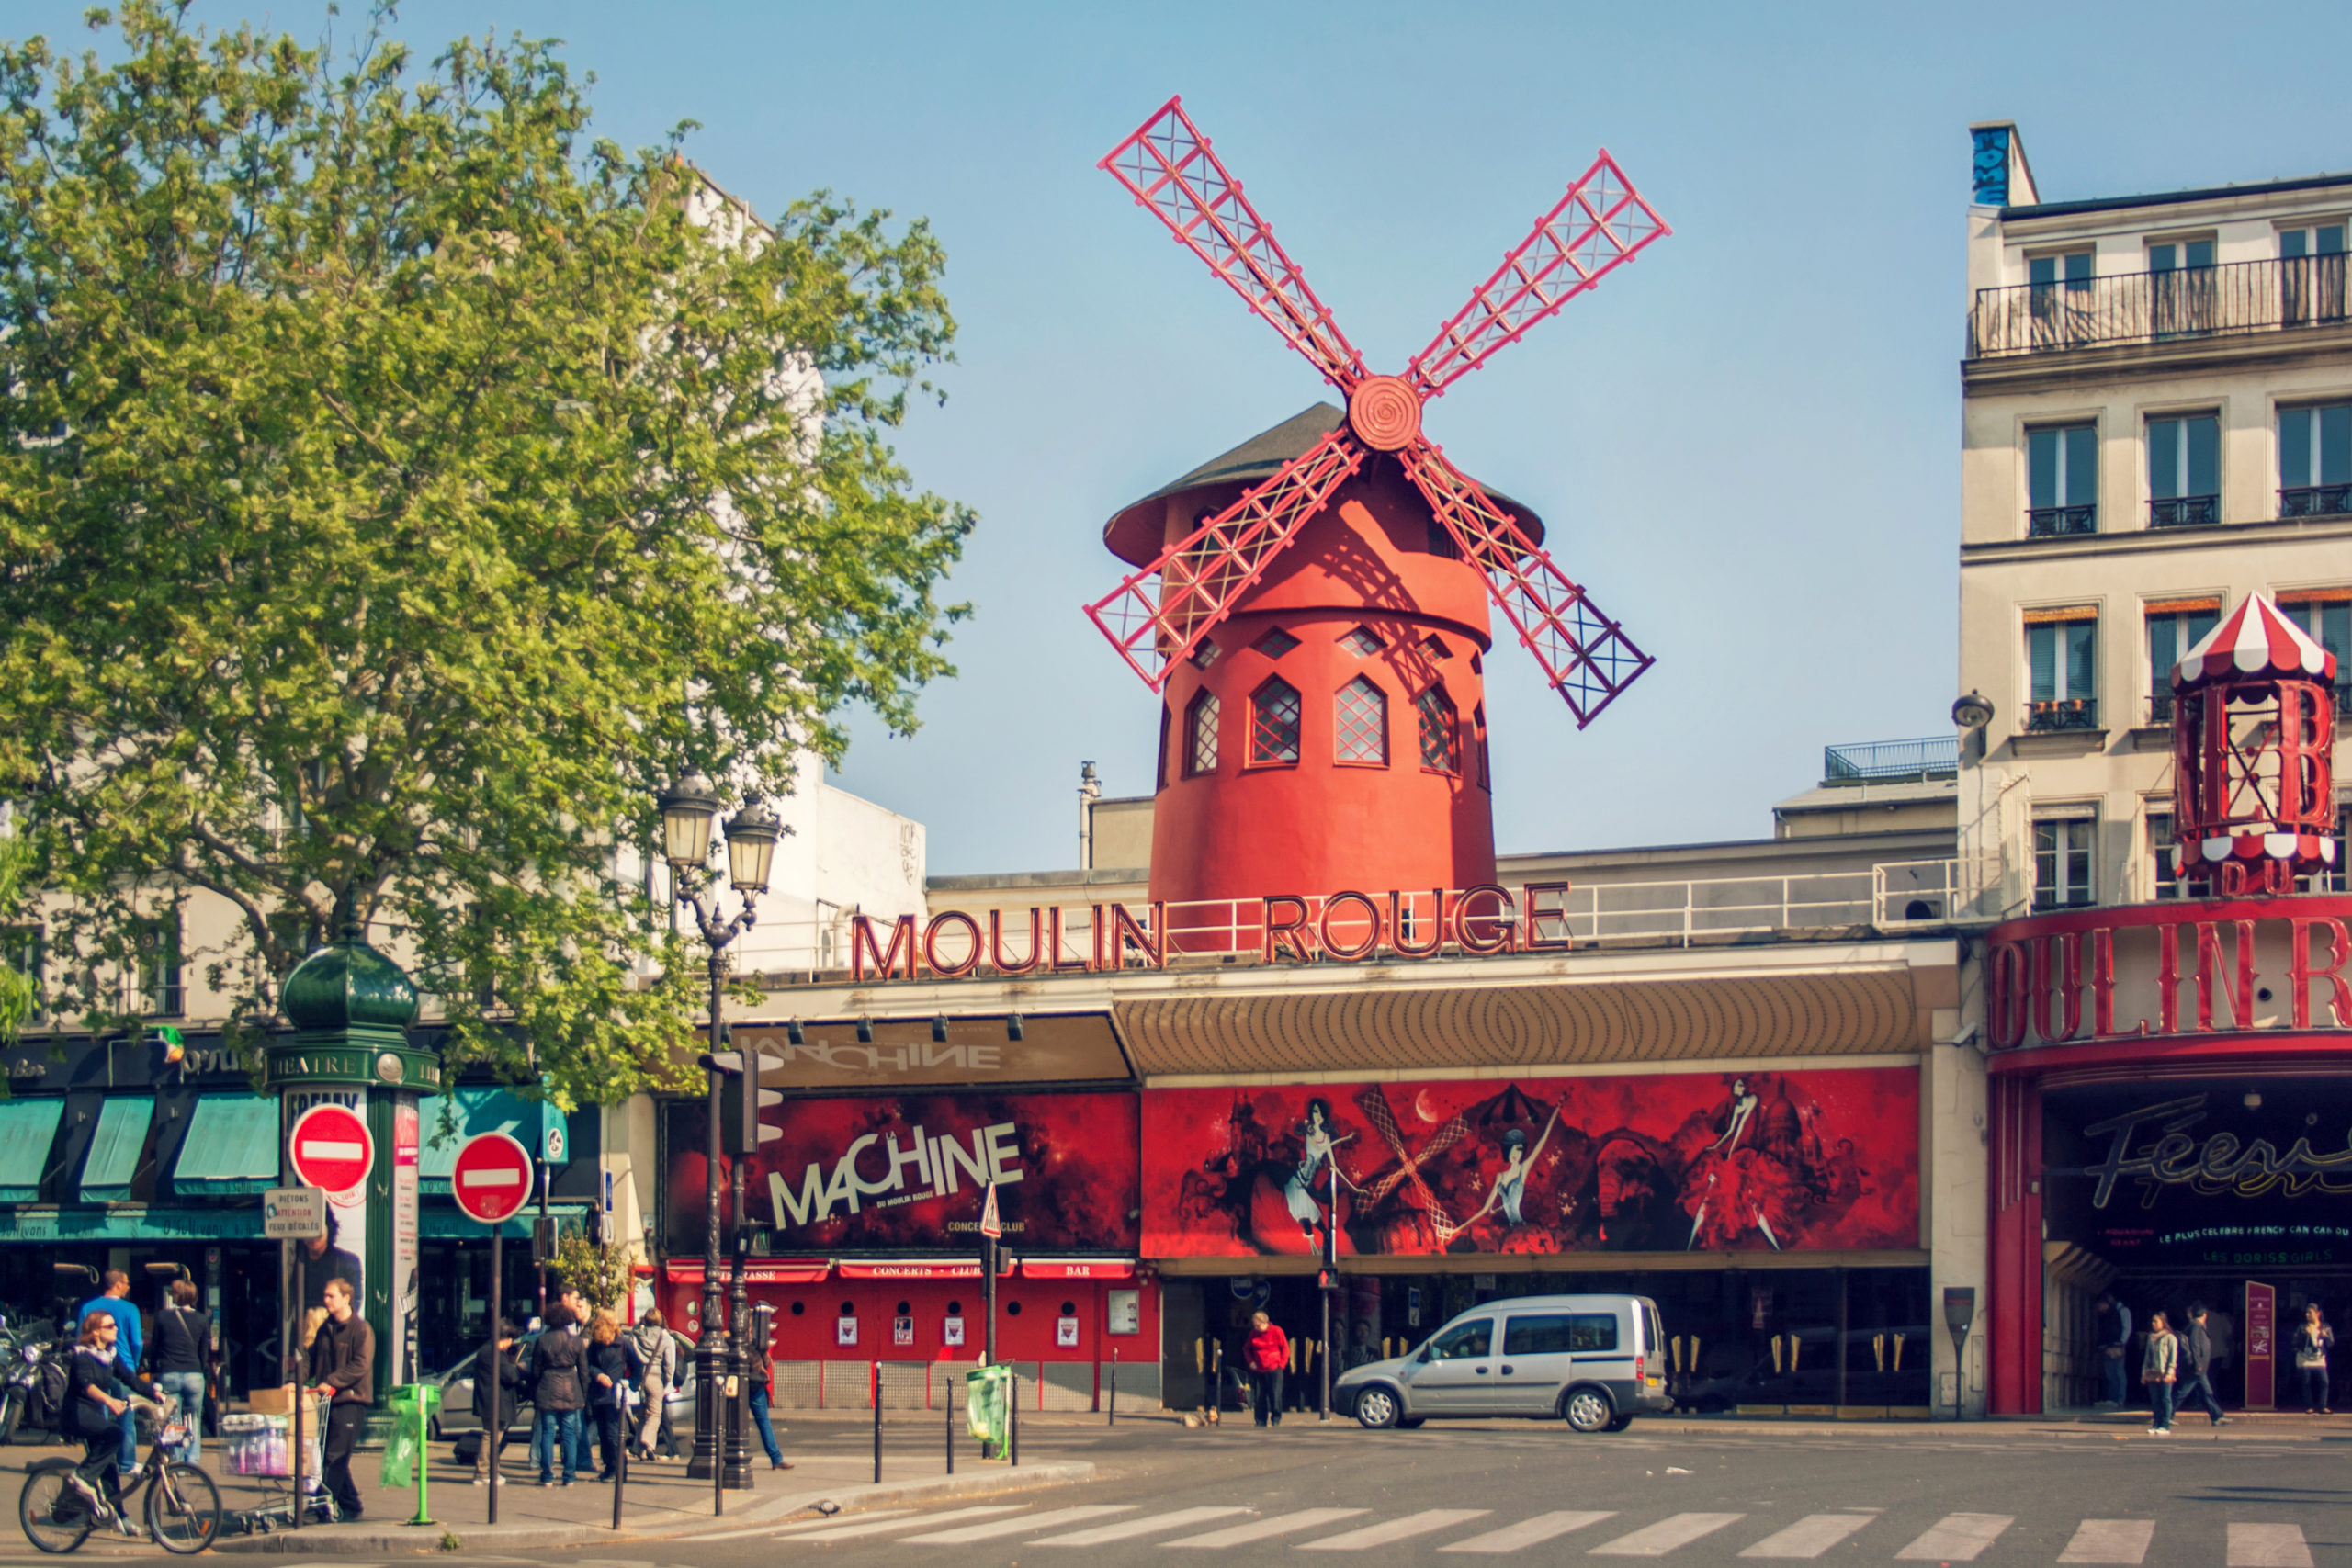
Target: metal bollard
(947, 1404)
(1115, 1388)
(878, 1423)
(620, 1467)
(1013, 1417)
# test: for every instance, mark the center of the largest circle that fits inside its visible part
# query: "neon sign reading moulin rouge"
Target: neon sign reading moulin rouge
(1348, 928)
(2220, 1165)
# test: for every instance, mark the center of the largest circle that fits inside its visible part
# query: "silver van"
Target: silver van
(1593, 1362)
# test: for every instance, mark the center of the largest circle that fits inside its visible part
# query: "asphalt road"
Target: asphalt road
(1990, 1495)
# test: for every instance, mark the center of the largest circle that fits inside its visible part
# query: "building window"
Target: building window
(2062, 862)
(2315, 461)
(2327, 614)
(1435, 646)
(1478, 738)
(1364, 642)
(2061, 298)
(1159, 764)
(1441, 745)
(1199, 734)
(21, 950)
(1274, 723)
(2175, 625)
(1275, 643)
(2167, 883)
(1359, 721)
(1441, 542)
(2180, 287)
(2062, 480)
(1206, 653)
(2062, 670)
(156, 944)
(2310, 275)
(2184, 470)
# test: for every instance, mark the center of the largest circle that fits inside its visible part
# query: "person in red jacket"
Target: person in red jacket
(1267, 1355)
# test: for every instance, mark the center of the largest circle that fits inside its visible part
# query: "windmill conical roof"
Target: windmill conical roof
(2257, 639)
(1134, 532)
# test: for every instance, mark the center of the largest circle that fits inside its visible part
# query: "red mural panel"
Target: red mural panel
(891, 1173)
(1809, 1161)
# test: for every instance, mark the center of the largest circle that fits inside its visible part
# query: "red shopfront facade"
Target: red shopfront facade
(865, 1229)
(2170, 1121)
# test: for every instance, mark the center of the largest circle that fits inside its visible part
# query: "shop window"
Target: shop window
(1439, 721)
(2175, 625)
(1199, 734)
(1359, 722)
(1274, 714)
(2061, 861)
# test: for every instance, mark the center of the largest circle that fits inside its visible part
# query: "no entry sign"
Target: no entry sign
(491, 1180)
(332, 1149)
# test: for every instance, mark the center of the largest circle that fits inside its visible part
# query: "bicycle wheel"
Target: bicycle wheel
(183, 1509)
(52, 1513)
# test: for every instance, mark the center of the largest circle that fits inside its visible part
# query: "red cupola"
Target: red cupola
(1313, 605)
(2254, 741)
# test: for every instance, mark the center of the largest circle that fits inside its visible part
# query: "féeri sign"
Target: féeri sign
(2220, 965)
(1346, 927)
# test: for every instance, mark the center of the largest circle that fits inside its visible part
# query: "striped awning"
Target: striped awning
(2254, 640)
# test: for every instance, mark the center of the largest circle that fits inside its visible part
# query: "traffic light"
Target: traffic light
(740, 1128)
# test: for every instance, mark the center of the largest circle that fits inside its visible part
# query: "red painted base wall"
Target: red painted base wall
(1026, 1335)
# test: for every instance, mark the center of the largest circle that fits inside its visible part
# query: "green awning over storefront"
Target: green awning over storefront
(231, 1146)
(51, 1225)
(463, 1112)
(115, 1146)
(439, 1223)
(27, 1127)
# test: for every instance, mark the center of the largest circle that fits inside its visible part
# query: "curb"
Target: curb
(336, 1540)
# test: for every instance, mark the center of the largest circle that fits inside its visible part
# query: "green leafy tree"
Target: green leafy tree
(600, 1272)
(17, 997)
(397, 483)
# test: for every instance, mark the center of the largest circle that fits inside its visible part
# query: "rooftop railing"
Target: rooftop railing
(2158, 307)
(1935, 756)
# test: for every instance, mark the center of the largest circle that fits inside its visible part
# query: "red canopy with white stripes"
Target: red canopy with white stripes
(2257, 639)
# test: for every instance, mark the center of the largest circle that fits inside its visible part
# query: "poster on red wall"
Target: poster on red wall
(907, 1173)
(1806, 1161)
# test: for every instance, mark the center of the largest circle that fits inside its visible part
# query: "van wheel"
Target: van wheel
(1587, 1410)
(1377, 1408)
(1620, 1423)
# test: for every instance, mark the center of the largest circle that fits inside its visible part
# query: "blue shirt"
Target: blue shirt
(127, 1347)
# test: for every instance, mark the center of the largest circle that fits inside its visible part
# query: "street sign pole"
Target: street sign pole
(490, 1180)
(494, 1431)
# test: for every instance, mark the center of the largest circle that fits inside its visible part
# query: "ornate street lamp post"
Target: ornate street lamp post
(689, 806)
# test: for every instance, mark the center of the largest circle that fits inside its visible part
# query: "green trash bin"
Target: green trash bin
(412, 1406)
(988, 1405)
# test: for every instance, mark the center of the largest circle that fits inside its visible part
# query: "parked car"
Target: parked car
(1593, 1362)
(457, 1423)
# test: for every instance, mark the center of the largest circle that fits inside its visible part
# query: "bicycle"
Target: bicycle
(182, 1507)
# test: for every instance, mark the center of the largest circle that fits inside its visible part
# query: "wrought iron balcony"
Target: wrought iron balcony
(2158, 307)
(2160, 705)
(2315, 501)
(2066, 713)
(1935, 757)
(2184, 510)
(2050, 521)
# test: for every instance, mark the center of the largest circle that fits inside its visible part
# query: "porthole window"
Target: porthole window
(798, 1308)
(1012, 1309)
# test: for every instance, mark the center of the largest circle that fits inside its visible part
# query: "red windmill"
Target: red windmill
(1364, 544)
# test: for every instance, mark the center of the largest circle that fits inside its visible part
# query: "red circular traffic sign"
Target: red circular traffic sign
(332, 1148)
(491, 1180)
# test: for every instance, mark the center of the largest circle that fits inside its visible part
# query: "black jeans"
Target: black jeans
(101, 1464)
(344, 1419)
(2313, 1381)
(1269, 1392)
(608, 1437)
(2195, 1391)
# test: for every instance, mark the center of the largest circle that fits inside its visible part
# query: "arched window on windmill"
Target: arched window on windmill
(1359, 722)
(1199, 734)
(1440, 731)
(1274, 714)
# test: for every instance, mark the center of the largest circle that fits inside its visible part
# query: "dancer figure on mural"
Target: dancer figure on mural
(1316, 1144)
(1735, 1187)
(1509, 1190)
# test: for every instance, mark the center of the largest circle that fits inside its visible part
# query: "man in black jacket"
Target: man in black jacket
(2196, 1369)
(342, 1364)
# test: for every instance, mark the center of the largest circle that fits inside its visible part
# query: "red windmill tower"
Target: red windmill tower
(1313, 605)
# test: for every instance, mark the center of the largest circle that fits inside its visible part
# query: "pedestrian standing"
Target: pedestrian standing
(608, 1385)
(494, 1400)
(1267, 1355)
(655, 1356)
(182, 1353)
(343, 1359)
(557, 1395)
(2313, 1340)
(2160, 1369)
(760, 1362)
(2114, 1344)
(2197, 1369)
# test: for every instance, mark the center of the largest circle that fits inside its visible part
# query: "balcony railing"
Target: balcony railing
(2050, 521)
(1938, 756)
(2184, 510)
(2158, 307)
(2066, 713)
(2315, 501)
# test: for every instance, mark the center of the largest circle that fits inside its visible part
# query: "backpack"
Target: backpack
(636, 1354)
(46, 1407)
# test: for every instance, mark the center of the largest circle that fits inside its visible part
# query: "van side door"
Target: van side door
(1559, 1347)
(1457, 1377)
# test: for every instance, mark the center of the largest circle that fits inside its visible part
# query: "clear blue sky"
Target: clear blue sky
(1746, 444)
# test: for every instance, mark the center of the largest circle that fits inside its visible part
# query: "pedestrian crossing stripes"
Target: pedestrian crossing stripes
(1953, 1539)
